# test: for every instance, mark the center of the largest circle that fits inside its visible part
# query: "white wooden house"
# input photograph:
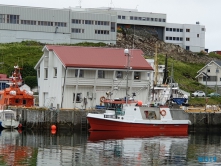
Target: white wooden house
(77, 77)
(210, 74)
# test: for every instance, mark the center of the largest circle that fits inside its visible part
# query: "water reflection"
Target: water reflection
(108, 148)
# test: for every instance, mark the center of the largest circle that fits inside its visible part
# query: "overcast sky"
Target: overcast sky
(207, 12)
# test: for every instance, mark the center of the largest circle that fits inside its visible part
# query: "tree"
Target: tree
(31, 81)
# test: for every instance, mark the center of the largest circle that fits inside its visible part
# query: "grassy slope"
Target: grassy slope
(30, 52)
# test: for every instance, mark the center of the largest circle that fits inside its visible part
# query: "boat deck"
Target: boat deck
(203, 110)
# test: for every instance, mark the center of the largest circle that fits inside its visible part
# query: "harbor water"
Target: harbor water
(29, 147)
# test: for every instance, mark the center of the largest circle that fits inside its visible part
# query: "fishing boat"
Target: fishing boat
(127, 114)
(8, 119)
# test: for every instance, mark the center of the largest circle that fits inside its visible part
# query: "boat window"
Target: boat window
(24, 102)
(9, 115)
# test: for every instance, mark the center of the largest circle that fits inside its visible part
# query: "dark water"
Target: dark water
(104, 149)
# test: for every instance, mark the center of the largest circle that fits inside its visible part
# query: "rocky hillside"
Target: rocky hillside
(147, 43)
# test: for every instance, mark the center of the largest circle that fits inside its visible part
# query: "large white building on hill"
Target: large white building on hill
(75, 25)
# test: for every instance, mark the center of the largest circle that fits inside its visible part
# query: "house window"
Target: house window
(187, 30)
(119, 16)
(55, 72)
(131, 17)
(181, 39)
(203, 29)
(187, 39)
(174, 29)
(136, 75)
(167, 29)
(101, 74)
(181, 30)
(46, 73)
(198, 35)
(187, 47)
(123, 17)
(119, 74)
(208, 70)
(38, 72)
(78, 98)
(81, 74)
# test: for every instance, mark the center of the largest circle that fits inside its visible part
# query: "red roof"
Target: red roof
(97, 57)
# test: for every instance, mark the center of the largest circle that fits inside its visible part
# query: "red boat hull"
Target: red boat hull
(97, 124)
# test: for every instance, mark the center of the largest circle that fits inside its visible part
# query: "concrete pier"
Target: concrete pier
(75, 119)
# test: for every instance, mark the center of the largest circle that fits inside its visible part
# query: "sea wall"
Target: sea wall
(73, 119)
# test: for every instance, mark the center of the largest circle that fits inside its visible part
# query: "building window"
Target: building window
(177, 29)
(187, 30)
(39, 72)
(159, 19)
(105, 32)
(152, 19)
(131, 17)
(119, 16)
(81, 74)
(76, 21)
(2, 18)
(76, 30)
(181, 39)
(28, 22)
(78, 98)
(135, 18)
(203, 29)
(198, 35)
(187, 47)
(123, 17)
(164, 20)
(46, 73)
(60, 24)
(55, 72)
(171, 29)
(174, 29)
(136, 75)
(187, 39)
(101, 74)
(148, 19)
(174, 38)
(181, 30)
(13, 19)
(112, 26)
(208, 70)
(167, 38)
(177, 38)
(119, 74)
(45, 23)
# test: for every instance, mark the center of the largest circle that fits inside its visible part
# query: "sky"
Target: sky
(207, 12)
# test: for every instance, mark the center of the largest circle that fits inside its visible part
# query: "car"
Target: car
(198, 93)
(214, 94)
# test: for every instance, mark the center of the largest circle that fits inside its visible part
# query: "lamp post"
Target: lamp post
(127, 53)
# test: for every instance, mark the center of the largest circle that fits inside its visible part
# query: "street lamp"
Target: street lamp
(127, 53)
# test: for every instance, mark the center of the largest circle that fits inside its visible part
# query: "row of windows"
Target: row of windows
(90, 22)
(142, 18)
(101, 73)
(174, 29)
(77, 30)
(14, 19)
(174, 38)
(106, 32)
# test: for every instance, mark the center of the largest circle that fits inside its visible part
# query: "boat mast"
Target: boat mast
(127, 53)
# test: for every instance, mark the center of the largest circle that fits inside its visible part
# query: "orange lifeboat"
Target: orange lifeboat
(13, 95)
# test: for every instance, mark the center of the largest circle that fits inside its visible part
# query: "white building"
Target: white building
(188, 36)
(75, 25)
(210, 74)
(78, 77)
